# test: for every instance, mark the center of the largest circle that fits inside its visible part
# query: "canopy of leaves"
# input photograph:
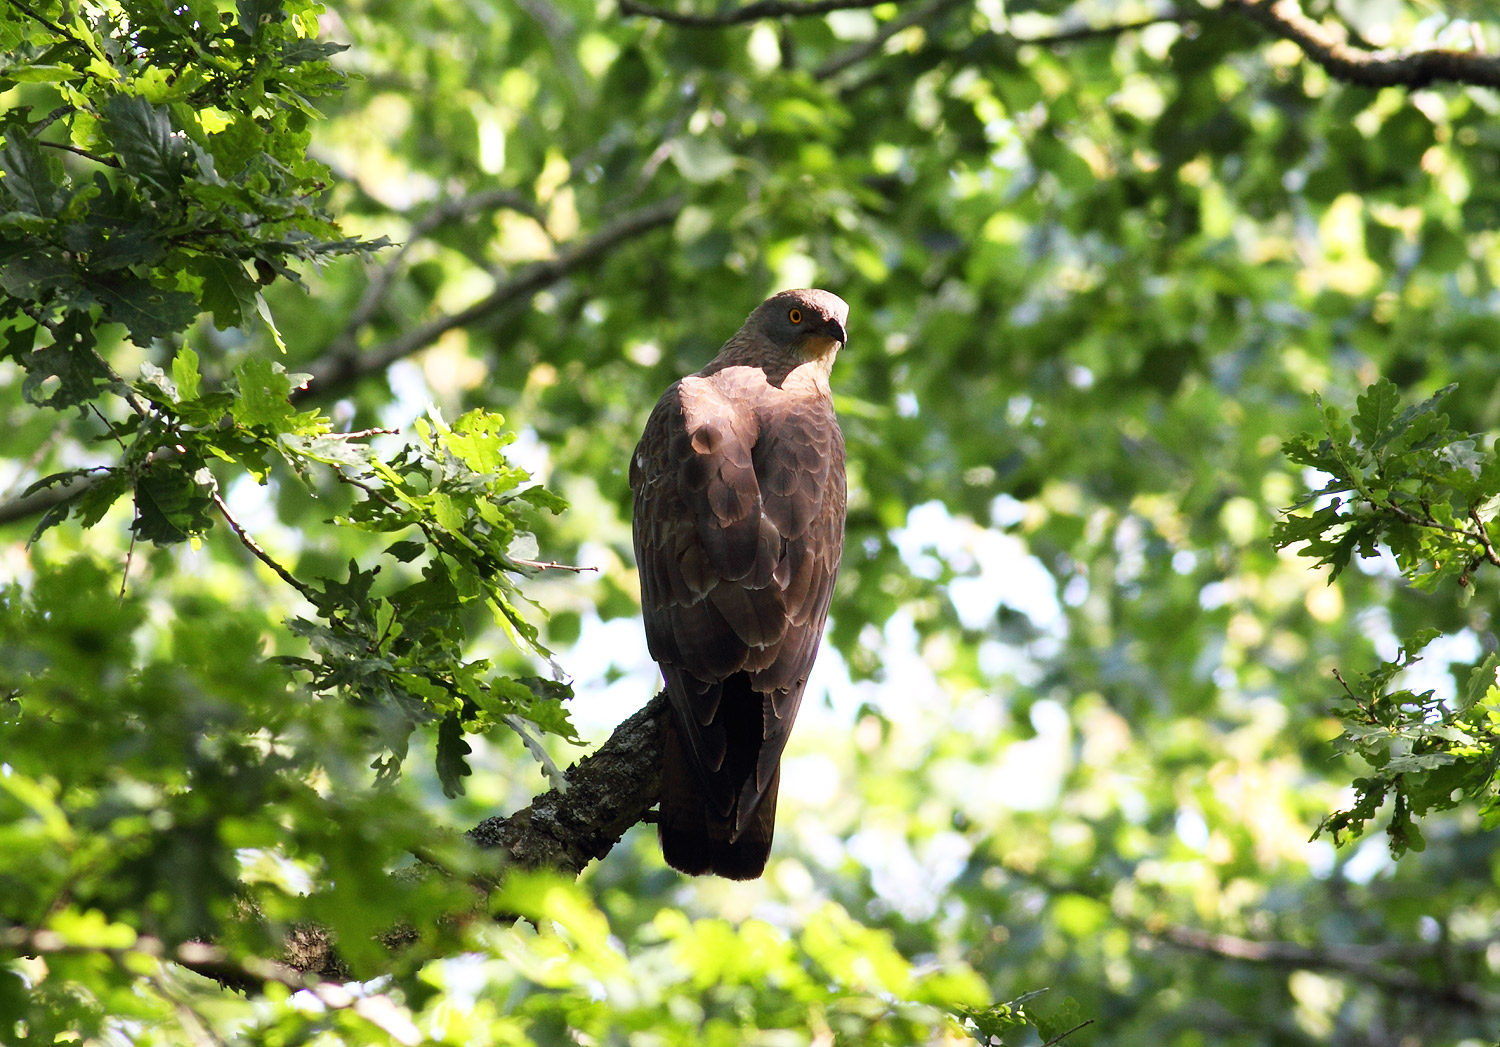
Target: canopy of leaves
(1170, 392)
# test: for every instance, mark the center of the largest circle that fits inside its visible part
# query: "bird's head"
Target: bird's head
(807, 322)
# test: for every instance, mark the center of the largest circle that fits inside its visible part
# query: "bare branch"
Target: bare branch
(345, 364)
(1331, 49)
(1100, 32)
(749, 13)
(211, 961)
(1353, 961)
(984, 47)
(607, 793)
(439, 214)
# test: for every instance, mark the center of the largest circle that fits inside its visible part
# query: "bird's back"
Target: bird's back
(739, 521)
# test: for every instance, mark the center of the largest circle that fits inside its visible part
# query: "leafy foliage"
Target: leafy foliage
(205, 120)
(1415, 486)
(201, 188)
(1409, 483)
(1072, 723)
(402, 653)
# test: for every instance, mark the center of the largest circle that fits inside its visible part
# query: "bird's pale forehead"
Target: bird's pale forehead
(813, 298)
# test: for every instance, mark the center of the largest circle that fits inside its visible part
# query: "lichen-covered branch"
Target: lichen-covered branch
(605, 794)
(563, 829)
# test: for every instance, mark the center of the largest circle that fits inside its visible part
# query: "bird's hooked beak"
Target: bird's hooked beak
(835, 330)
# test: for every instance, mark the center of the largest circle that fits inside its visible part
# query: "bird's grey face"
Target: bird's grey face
(808, 322)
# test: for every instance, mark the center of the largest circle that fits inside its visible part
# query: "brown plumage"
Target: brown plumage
(739, 525)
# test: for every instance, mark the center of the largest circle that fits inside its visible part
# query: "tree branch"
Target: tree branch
(749, 13)
(1386, 965)
(983, 48)
(1330, 48)
(607, 792)
(211, 961)
(563, 829)
(344, 363)
(1354, 961)
(439, 214)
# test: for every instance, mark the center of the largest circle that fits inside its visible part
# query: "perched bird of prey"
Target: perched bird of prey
(739, 525)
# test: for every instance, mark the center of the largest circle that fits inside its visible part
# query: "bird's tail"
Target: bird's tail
(696, 839)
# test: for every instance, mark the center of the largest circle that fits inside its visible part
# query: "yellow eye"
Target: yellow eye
(795, 316)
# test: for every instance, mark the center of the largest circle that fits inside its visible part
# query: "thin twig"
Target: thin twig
(1418, 521)
(749, 13)
(51, 118)
(1097, 32)
(865, 48)
(28, 10)
(361, 434)
(984, 49)
(107, 160)
(129, 552)
(1060, 1037)
(927, 13)
(1330, 48)
(129, 559)
(551, 565)
(260, 554)
(100, 414)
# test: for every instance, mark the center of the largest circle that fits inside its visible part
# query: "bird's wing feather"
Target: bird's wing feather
(739, 513)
